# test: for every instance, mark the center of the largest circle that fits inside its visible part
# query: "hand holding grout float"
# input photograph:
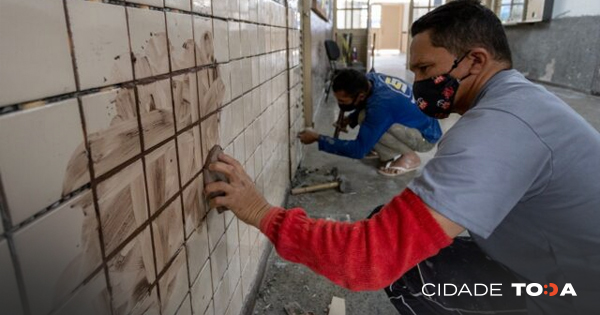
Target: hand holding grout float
(229, 187)
(211, 176)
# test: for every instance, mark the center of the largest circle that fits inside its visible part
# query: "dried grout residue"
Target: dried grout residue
(105, 181)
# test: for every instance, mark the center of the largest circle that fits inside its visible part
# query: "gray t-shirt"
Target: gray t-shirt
(521, 171)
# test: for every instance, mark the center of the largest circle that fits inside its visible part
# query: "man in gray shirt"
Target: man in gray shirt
(520, 171)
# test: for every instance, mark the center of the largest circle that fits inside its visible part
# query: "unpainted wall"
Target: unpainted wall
(563, 51)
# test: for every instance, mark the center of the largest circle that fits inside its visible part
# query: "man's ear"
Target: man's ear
(480, 58)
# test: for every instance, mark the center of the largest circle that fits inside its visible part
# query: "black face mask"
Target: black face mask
(435, 96)
(352, 106)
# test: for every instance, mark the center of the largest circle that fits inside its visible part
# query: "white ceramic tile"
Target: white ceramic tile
(239, 150)
(202, 6)
(156, 110)
(235, 43)
(226, 126)
(234, 9)
(202, 291)
(9, 292)
(236, 303)
(194, 205)
(168, 234)
(197, 250)
(203, 37)
(225, 76)
(249, 145)
(210, 133)
(255, 71)
(186, 307)
(246, 74)
(162, 175)
(211, 308)
(244, 10)
(100, 42)
(247, 108)
(185, 99)
(155, 3)
(47, 156)
(236, 80)
(68, 238)
(221, 297)
(216, 227)
(26, 50)
(220, 9)
(174, 285)
(232, 239)
(221, 40)
(91, 299)
(190, 154)
(178, 4)
(238, 116)
(253, 10)
(218, 260)
(181, 40)
(122, 204)
(112, 127)
(233, 269)
(148, 36)
(131, 273)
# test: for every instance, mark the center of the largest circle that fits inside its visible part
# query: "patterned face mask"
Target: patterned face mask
(435, 96)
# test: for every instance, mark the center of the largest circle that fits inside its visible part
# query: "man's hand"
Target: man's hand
(241, 196)
(308, 136)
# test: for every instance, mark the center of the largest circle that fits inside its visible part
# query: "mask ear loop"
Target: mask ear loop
(457, 62)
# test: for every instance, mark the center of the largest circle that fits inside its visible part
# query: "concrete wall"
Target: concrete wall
(563, 51)
(320, 31)
(107, 113)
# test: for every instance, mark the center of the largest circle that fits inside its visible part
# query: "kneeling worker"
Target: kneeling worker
(391, 124)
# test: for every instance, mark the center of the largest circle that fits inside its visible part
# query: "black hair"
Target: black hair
(461, 25)
(351, 81)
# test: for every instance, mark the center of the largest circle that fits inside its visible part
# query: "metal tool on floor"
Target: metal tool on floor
(340, 183)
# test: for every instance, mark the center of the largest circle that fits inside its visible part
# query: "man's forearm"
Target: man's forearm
(365, 255)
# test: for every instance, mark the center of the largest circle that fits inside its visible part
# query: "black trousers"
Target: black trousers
(420, 291)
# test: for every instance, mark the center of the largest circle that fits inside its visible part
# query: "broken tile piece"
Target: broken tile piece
(162, 175)
(148, 35)
(156, 110)
(112, 127)
(48, 142)
(100, 42)
(122, 204)
(168, 234)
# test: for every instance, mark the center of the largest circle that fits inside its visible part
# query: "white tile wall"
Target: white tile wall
(203, 266)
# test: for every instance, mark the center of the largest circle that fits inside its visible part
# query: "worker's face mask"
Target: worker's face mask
(435, 96)
(356, 103)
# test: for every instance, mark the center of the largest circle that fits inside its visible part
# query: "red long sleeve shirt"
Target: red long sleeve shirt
(364, 255)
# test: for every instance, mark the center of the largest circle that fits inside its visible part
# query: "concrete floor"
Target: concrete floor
(286, 282)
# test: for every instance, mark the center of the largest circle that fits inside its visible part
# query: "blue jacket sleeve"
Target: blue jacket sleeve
(375, 125)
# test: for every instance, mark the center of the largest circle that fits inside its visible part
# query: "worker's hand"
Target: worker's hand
(241, 196)
(308, 136)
